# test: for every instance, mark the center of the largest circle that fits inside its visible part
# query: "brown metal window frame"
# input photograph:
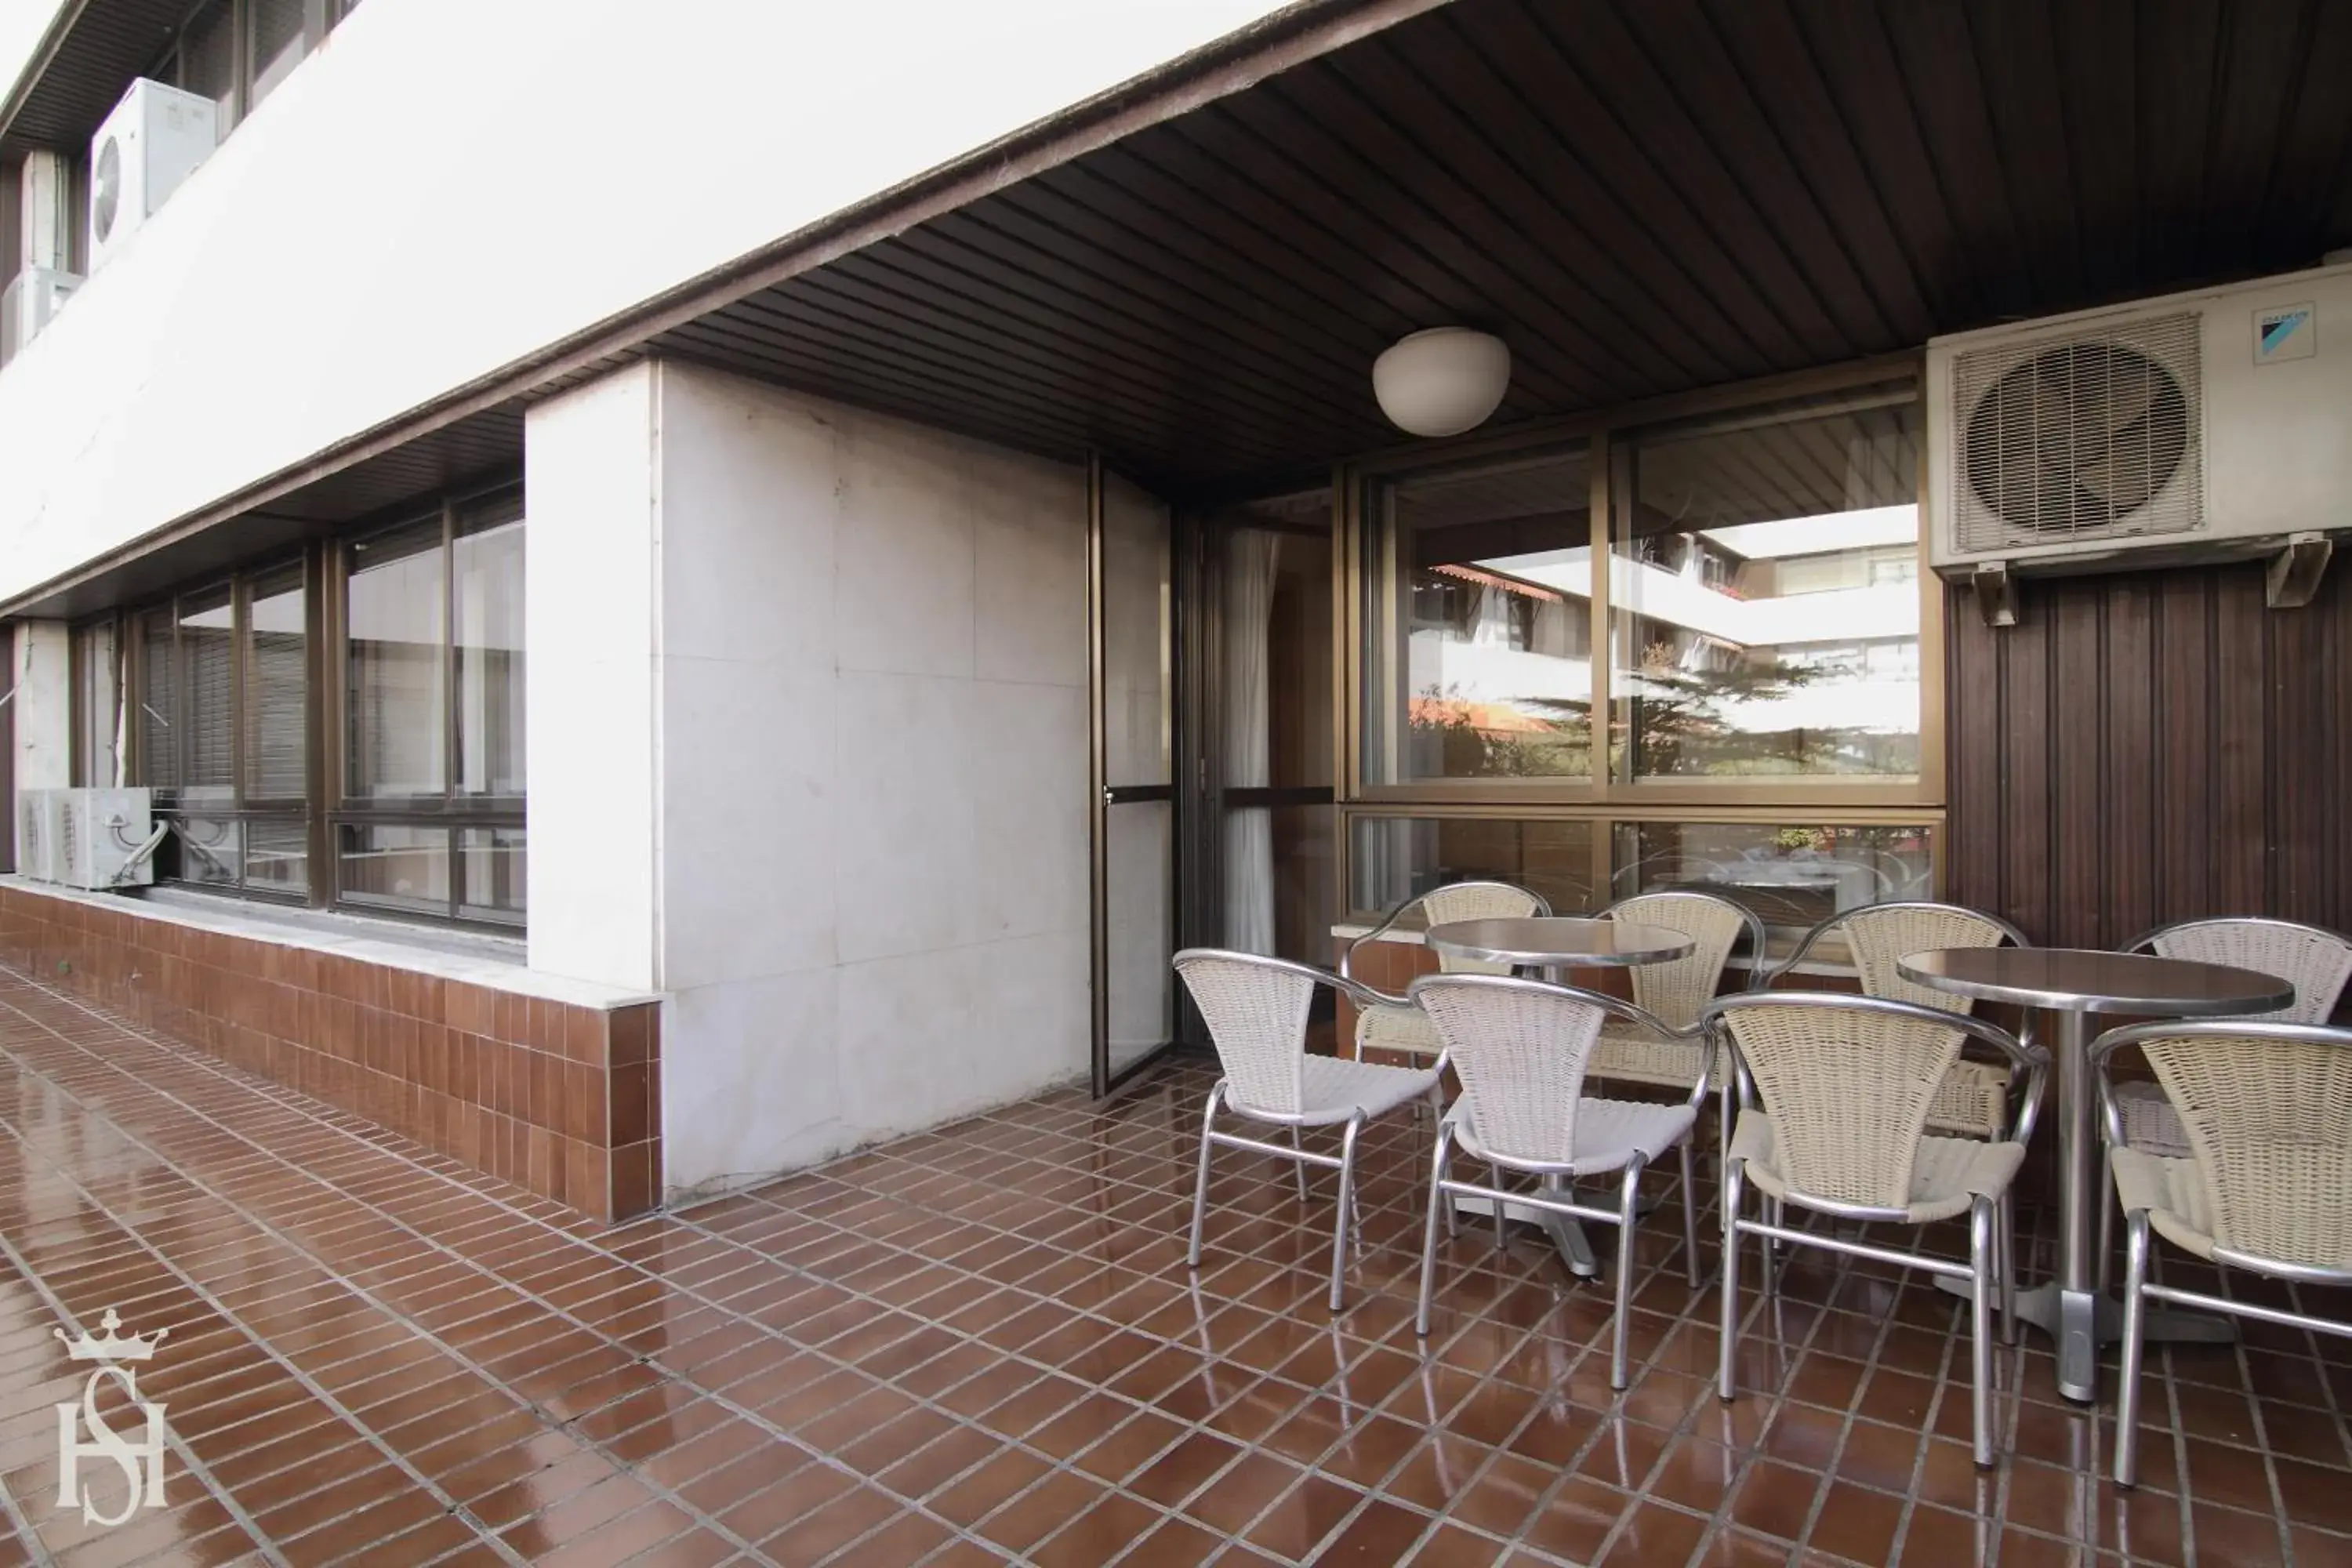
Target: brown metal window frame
(449, 812)
(1599, 799)
(137, 699)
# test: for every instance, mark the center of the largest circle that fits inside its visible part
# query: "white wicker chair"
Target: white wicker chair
(1671, 1051)
(1256, 1009)
(1520, 1049)
(2266, 1185)
(1973, 1098)
(2315, 962)
(1845, 1082)
(1401, 1026)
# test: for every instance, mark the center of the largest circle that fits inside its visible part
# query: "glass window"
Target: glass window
(486, 582)
(277, 686)
(1794, 877)
(495, 869)
(158, 701)
(1754, 563)
(277, 856)
(275, 27)
(207, 656)
(396, 867)
(395, 694)
(1393, 858)
(1478, 640)
(208, 59)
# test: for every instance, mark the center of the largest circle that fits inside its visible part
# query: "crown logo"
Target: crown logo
(113, 1347)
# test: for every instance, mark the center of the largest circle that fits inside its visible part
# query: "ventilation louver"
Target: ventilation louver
(2080, 439)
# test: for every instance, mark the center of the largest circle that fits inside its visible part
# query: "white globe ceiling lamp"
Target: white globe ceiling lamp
(1442, 381)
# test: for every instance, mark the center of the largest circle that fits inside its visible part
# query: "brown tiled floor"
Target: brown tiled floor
(983, 1344)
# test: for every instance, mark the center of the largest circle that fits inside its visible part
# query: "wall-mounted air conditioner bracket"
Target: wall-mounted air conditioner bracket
(1996, 593)
(2295, 571)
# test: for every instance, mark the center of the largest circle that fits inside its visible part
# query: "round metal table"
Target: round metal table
(2069, 984)
(1552, 943)
(1556, 942)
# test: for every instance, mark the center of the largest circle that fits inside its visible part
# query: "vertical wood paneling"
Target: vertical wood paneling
(2150, 747)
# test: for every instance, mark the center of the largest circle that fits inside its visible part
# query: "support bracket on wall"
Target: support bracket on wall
(1996, 593)
(2294, 571)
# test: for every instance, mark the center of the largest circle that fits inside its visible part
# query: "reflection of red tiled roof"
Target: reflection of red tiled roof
(1488, 718)
(1487, 579)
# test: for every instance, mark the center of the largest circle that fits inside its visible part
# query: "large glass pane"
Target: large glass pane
(1135, 614)
(1794, 877)
(158, 701)
(398, 721)
(487, 581)
(208, 59)
(1141, 846)
(277, 43)
(276, 689)
(1765, 583)
(211, 850)
(208, 676)
(396, 867)
(277, 856)
(98, 706)
(1393, 858)
(495, 867)
(1478, 622)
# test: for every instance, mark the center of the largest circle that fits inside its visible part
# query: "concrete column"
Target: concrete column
(41, 711)
(808, 731)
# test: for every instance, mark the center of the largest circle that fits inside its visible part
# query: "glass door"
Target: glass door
(1131, 616)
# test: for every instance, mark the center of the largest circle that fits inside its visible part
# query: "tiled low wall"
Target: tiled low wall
(560, 1098)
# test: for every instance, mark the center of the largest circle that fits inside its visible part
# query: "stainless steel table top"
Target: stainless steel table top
(1558, 941)
(2075, 980)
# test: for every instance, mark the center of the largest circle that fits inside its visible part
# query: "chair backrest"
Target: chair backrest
(2315, 962)
(1256, 1009)
(1679, 990)
(1520, 1048)
(1478, 901)
(1880, 936)
(1847, 1080)
(2268, 1110)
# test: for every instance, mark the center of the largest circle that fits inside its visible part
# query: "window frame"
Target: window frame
(451, 813)
(136, 699)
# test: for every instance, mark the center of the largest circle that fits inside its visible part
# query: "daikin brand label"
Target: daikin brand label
(2288, 331)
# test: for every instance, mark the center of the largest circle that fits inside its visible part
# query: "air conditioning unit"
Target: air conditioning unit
(33, 297)
(2197, 425)
(153, 142)
(85, 837)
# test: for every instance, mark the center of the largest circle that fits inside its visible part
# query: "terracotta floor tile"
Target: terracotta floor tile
(993, 1322)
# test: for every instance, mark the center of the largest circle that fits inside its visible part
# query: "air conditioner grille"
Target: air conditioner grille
(2090, 438)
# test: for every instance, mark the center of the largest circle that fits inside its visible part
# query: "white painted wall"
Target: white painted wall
(863, 657)
(449, 185)
(40, 714)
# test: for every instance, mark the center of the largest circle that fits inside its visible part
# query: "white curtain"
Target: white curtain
(1250, 558)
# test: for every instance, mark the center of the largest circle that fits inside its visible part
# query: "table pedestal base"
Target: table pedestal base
(1567, 1234)
(2081, 1321)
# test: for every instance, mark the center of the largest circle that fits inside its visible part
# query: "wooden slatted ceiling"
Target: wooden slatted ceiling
(1641, 198)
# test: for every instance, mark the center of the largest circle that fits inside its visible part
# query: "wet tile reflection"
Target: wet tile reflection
(981, 1345)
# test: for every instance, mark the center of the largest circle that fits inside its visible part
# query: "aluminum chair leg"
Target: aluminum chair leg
(1437, 1201)
(1200, 1185)
(1620, 1332)
(1501, 1237)
(1770, 1211)
(1690, 1218)
(1980, 1266)
(2106, 1219)
(2007, 1264)
(1298, 1167)
(1346, 1202)
(1735, 1178)
(2135, 1347)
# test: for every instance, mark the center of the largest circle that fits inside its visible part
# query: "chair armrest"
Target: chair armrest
(1347, 954)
